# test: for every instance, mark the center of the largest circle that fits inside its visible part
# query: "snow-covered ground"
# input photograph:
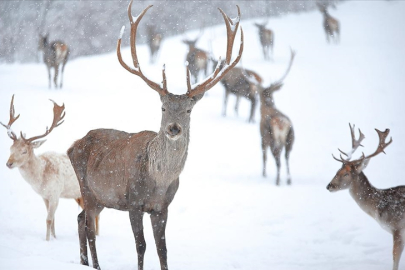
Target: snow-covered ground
(225, 214)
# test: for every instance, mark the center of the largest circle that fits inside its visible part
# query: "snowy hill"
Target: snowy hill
(225, 214)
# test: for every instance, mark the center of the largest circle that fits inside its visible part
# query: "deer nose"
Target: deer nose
(329, 186)
(173, 129)
(9, 164)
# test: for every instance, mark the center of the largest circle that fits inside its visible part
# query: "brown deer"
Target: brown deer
(154, 42)
(386, 206)
(266, 39)
(330, 24)
(55, 53)
(51, 175)
(241, 83)
(139, 172)
(196, 58)
(275, 128)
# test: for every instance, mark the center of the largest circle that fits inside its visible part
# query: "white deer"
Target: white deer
(50, 174)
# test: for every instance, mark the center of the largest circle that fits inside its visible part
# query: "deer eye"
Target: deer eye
(346, 174)
(163, 109)
(24, 152)
(188, 111)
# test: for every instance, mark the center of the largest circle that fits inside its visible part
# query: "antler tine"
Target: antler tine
(12, 119)
(218, 74)
(288, 68)
(340, 160)
(381, 144)
(162, 90)
(58, 115)
(355, 143)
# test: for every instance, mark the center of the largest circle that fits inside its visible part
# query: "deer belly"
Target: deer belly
(280, 128)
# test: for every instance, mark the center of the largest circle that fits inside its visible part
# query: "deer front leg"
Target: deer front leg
(398, 248)
(159, 220)
(237, 104)
(55, 77)
(136, 217)
(264, 158)
(225, 102)
(51, 207)
(49, 76)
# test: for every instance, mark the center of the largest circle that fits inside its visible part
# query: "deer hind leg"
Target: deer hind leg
(398, 247)
(159, 220)
(277, 153)
(91, 213)
(52, 205)
(49, 76)
(288, 148)
(136, 217)
(61, 75)
(81, 220)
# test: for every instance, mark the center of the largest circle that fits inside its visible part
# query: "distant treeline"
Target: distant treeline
(92, 27)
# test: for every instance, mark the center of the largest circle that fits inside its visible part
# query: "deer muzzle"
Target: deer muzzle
(10, 164)
(173, 131)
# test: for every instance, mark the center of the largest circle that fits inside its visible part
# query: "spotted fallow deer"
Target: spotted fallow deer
(386, 206)
(241, 82)
(55, 53)
(266, 37)
(50, 174)
(154, 42)
(145, 165)
(330, 25)
(275, 128)
(196, 58)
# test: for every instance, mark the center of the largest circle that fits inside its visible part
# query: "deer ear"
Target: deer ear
(362, 165)
(37, 144)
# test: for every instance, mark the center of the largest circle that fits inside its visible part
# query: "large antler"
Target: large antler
(162, 90)
(58, 115)
(231, 29)
(10, 133)
(356, 143)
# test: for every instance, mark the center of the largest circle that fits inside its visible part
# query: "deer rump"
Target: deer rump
(113, 175)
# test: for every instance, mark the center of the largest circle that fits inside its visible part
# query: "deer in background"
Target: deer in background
(50, 174)
(386, 206)
(330, 24)
(241, 83)
(266, 39)
(145, 165)
(154, 42)
(197, 59)
(55, 53)
(275, 128)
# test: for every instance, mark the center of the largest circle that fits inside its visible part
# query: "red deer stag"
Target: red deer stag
(154, 42)
(145, 165)
(275, 128)
(266, 39)
(55, 53)
(241, 83)
(386, 206)
(196, 58)
(330, 24)
(51, 175)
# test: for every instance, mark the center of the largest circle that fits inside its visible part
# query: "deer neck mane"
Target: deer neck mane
(364, 193)
(167, 157)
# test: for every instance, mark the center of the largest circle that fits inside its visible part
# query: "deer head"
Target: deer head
(22, 148)
(267, 93)
(352, 168)
(176, 109)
